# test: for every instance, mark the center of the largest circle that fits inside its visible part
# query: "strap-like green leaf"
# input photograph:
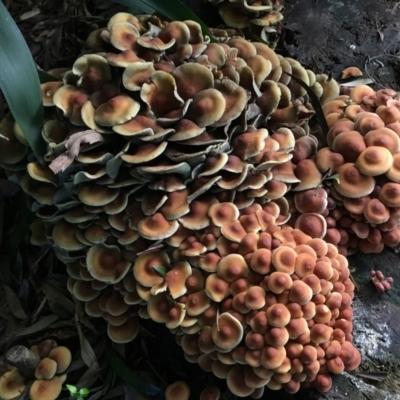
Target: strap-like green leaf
(20, 83)
(175, 10)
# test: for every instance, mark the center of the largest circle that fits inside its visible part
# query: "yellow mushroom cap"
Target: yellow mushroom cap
(178, 390)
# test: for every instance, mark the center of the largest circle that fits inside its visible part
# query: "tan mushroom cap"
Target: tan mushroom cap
(210, 393)
(64, 236)
(390, 194)
(176, 278)
(284, 259)
(178, 390)
(47, 390)
(192, 78)
(136, 74)
(143, 268)
(394, 171)
(161, 94)
(216, 287)
(308, 174)
(48, 89)
(349, 144)
(93, 71)
(40, 173)
(124, 333)
(70, 100)
(353, 183)
(376, 212)
(157, 227)
(278, 315)
(116, 111)
(227, 332)
(383, 137)
(105, 263)
(222, 213)
(123, 35)
(12, 383)
(92, 194)
(208, 106)
(312, 224)
(122, 59)
(232, 267)
(235, 100)
(374, 160)
(62, 356)
(46, 369)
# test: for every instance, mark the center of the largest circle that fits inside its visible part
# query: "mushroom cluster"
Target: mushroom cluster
(259, 305)
(363, 150)
(261, 15)
(45, 362)
(152, 130)
(381, 284)
(168, 198)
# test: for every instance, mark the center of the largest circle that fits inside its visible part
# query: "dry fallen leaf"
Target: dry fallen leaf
(73, 144)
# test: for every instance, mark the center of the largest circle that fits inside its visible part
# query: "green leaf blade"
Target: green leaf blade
(161, 270)
(20, 83)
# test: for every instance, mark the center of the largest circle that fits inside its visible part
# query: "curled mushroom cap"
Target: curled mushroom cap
(116, 111)
(178, 390)
(227, 332)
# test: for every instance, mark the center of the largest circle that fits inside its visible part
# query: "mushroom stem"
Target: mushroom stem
(24, 359)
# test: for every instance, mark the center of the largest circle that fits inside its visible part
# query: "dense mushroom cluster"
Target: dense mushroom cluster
(264, 305)
(363, 150)
(260, 15)
(45, 362)
(168, 198)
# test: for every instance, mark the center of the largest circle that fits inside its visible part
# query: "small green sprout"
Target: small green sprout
(77, 394)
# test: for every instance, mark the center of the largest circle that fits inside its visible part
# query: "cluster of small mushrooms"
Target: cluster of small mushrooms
(41, 369)
(381, 284)
(261, 15)
(181, 183)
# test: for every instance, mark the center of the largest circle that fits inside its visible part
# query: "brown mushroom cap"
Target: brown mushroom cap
(12, 383)
(124, 333)
(178, 390)
(237, 383)
(106, 264)
(284, 259)
(47, 390)
(116, 111)
(278, 315)
(390, 194)
(46, 369)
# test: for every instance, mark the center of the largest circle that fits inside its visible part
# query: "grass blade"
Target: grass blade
(20, 83)
(174, 10)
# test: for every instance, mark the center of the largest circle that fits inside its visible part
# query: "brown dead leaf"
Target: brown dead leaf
(73, 145)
